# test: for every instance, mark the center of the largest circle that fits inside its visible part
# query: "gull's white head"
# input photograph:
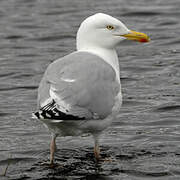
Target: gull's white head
(104, 31)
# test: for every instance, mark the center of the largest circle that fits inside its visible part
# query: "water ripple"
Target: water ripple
(141, 13)
(169, 108)
(18, 87)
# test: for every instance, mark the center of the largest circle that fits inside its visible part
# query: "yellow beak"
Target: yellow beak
(137, 36)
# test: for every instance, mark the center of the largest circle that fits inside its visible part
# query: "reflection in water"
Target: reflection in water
(143, 141)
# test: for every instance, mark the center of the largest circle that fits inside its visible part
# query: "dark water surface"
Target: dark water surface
(143, 141)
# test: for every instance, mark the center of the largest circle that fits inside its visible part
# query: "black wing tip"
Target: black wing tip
(50, 111)
(36, 115)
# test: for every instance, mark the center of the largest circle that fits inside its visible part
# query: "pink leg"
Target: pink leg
(97, 150)
(52, 149)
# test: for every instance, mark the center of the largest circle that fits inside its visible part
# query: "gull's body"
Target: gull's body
(81, 92)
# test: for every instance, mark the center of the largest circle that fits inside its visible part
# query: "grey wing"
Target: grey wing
(82, 85)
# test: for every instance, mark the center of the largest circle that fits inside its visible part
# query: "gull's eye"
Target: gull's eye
(110, 27)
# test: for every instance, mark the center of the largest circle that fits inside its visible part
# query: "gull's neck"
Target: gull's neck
(108, 55)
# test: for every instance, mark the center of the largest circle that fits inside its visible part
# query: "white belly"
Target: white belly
(77, 127)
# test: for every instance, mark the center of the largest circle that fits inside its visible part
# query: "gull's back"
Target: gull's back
(81, 85)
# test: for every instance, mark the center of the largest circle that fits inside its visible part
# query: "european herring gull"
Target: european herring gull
(81, 92)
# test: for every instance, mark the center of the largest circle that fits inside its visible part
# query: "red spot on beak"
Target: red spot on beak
(143, 40)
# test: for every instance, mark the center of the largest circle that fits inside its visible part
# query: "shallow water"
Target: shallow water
(143, 141)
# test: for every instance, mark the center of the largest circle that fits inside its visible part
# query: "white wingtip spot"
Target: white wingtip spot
(34, 116)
